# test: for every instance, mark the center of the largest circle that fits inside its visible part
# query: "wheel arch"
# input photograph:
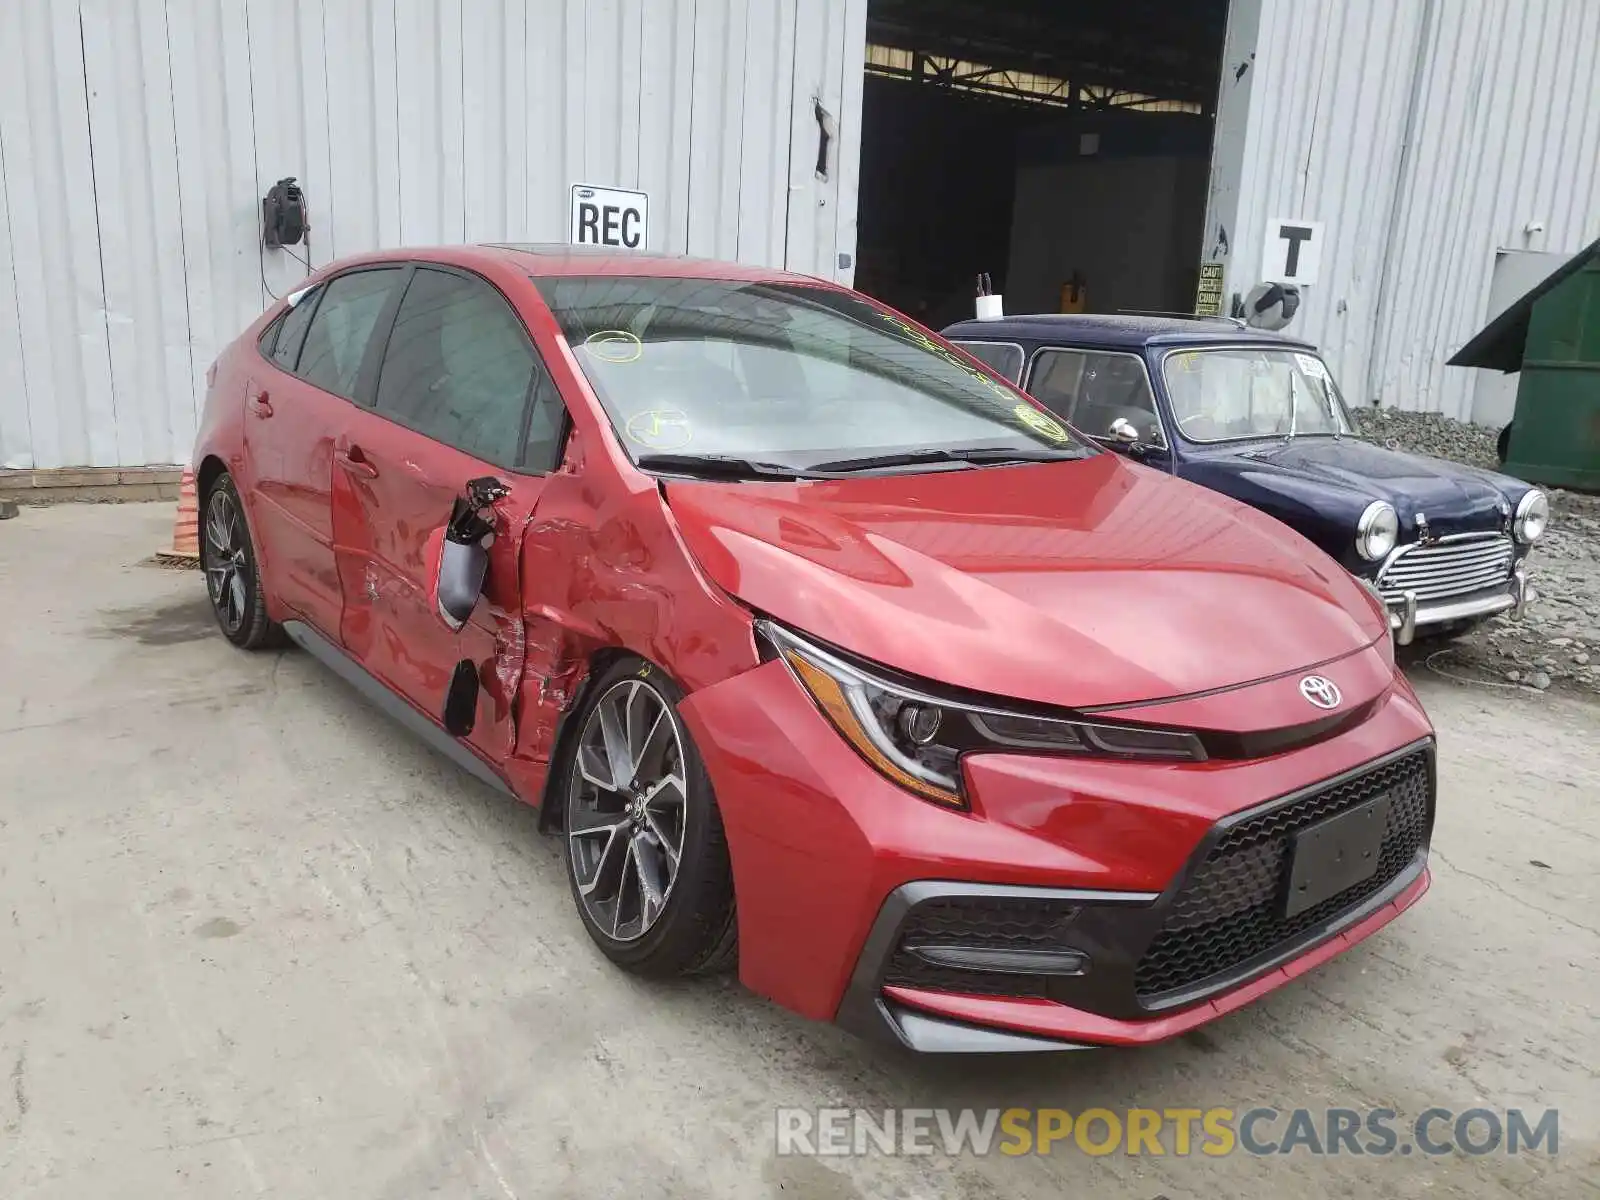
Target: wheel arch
(600, 660)
(209, 470)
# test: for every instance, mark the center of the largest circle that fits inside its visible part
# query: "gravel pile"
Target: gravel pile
(1429, 433)
(1558, 639)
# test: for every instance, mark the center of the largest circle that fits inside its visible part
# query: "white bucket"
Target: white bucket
(990, 308)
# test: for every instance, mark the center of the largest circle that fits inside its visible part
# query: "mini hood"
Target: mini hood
(1078, 584)
(1454, 497)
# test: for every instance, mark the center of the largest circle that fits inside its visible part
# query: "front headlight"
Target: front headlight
(1533, 514)
(916, 738)
(1377, 530)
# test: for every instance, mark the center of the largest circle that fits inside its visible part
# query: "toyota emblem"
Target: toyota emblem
(1324, 693)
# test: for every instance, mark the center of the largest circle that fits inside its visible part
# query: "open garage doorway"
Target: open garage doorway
(1061, 146)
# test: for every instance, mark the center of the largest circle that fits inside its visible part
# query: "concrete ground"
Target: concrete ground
(254, 941)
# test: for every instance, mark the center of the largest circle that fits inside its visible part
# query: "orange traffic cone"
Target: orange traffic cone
(185, 548)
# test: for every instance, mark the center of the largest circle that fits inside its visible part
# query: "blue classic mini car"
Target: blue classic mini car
(1258, 417)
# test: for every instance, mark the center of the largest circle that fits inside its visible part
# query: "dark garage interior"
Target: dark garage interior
(1061, 146)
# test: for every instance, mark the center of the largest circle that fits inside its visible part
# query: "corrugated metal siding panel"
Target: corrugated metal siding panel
(1506, 130)
(137, 137)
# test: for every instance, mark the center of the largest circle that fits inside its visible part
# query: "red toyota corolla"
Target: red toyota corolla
(827, 651)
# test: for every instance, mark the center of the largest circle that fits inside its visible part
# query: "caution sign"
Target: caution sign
(1208, 296)
(608, 217)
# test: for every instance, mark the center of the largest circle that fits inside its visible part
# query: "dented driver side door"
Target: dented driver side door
(457, 394)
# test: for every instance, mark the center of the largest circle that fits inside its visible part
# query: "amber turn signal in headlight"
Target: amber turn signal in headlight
(916, 738)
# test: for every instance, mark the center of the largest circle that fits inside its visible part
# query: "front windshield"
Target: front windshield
(780, 373)
(1223, 394)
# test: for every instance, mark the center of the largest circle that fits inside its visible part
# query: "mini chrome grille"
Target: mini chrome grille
(1449, 568)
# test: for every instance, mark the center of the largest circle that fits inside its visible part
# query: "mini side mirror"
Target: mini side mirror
(1122, 433)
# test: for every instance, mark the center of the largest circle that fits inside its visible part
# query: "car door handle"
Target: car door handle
(260, 405)
(355, 462)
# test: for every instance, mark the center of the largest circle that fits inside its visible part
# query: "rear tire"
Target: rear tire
(646, 854)
(233, 577)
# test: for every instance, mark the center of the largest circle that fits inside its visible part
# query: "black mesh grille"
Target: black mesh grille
(1231, 910)
(979, 921)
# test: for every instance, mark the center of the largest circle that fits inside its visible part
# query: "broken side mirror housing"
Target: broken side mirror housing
(463, 551)
(463, 567)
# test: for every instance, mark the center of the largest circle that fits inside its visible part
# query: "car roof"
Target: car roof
(1121, 330)
(556, 259)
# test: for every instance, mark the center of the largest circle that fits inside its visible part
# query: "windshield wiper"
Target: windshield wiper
(720, 466)
(973, 454)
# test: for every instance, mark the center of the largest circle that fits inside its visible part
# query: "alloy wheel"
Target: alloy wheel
(626, 814)
(225, 562)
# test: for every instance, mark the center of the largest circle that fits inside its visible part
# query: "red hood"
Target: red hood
(1078, 584)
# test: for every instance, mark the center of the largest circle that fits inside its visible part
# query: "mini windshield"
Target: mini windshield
(1223, 394)
(786, 375)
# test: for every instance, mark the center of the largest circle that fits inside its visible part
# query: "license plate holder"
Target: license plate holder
(1334, 854)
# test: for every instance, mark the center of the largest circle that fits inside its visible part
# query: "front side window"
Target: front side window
(1092, 389)
(1002, 358)
(459, 369)
(1227, 393)
(786, 374)
(341, 328)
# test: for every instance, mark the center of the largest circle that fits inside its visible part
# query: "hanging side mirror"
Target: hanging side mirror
(464, 554)
(463, 567)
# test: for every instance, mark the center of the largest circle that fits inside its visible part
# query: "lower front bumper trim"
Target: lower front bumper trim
(1058, 1027)
(928, 1034)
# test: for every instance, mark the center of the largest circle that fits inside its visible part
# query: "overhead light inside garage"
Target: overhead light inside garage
(1024, 86)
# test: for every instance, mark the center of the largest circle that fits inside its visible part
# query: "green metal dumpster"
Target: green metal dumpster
(1552, 336)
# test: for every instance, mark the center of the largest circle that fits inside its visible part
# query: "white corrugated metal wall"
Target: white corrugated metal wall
(1501, 99)
(137, 137)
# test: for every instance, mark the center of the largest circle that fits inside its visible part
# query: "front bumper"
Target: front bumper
(822, 846)
(1407, 616)
(1127, 967)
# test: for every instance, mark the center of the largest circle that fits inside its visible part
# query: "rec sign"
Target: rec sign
(608, 217)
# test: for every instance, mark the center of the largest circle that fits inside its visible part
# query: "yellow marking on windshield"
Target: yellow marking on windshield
(660, 428)
(927, 343)
(614, 345)
(1040, 423)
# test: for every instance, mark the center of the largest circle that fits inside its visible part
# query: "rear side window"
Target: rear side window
(1005, 360)
(292, 332)
(342, 326)
(459, 368)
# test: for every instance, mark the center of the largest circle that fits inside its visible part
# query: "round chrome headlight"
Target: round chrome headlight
(1377, 530)
(1533, 514)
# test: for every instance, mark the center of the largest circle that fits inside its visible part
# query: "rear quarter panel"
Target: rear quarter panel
(220, 435)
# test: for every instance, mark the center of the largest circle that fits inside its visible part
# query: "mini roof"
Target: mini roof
(1120, 330)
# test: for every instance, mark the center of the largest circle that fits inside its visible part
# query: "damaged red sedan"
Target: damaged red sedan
(825, 650)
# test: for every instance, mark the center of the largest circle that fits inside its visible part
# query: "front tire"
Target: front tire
(646, 854)
(233, 577)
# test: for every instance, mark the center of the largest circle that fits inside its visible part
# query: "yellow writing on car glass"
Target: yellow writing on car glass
(1041, 423)
(660, 428)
